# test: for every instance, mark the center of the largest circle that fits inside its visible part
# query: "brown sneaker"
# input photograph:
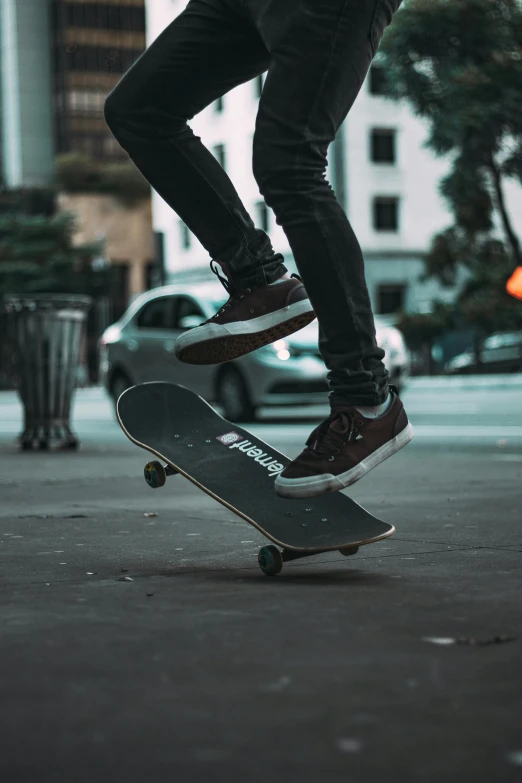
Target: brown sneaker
(342, 449)
(251, 318)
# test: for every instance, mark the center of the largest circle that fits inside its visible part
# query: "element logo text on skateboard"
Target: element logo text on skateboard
(233, 441)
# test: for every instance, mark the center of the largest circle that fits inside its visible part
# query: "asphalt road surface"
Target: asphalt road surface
(140, 641)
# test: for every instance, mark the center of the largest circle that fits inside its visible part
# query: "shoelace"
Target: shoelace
(223, 280)
(235, 295)
(333, 433)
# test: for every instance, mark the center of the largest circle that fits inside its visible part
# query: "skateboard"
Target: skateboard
(238, 469)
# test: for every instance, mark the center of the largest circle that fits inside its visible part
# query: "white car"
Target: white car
(140, 347)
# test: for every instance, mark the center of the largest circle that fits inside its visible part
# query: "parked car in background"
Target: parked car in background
(501, 352)
(139, 347)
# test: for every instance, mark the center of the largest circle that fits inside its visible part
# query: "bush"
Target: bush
(78, 173)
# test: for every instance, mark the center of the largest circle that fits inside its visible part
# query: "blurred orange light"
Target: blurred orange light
(514, 284)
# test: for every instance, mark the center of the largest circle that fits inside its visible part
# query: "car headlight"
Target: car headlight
(280, 349)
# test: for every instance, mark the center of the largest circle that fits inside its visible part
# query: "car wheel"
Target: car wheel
(233, 396)
(119, 383)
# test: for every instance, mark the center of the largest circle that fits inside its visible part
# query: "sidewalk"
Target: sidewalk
(152, 648)
(466, 381)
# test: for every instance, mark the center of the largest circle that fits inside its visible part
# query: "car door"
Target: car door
(153, 340)
(502, 352)
(197, 377)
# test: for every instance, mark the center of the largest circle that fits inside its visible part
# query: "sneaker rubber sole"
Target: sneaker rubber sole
(224, 342)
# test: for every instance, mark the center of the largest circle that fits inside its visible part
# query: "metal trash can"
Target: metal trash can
(46, 332)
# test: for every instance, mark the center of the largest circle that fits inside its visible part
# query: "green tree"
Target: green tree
(37, 255)
(458, 63)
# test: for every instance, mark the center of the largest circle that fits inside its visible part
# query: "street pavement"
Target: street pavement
(140, 641)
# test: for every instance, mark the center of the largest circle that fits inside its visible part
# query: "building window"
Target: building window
(105, 17)
(219, 153)
(377, 80)
(382, 145)
(86, 102)
(258, 84)
(263, 215)
(391, 298)
(185, 236)
(85, 143)
(96, 145)
(385, 213)
(219, 104)
(100, 58)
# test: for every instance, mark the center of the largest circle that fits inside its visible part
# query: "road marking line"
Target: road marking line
(467, 431)
(419, 430)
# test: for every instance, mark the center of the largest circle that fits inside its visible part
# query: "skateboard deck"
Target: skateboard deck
(238, 469)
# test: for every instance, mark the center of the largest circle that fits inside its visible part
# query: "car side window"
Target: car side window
(509, 339)
(155, 314)
(187, 307)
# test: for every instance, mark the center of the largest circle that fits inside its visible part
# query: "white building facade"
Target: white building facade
(386, 181)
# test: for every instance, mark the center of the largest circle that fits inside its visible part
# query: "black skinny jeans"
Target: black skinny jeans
(317, 54)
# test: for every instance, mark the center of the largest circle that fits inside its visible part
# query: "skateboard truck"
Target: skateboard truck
(271, 559)
(156, 474)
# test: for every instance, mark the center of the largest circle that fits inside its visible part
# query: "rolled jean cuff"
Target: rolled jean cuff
(266, 277)
(248, 270)
(359, 390)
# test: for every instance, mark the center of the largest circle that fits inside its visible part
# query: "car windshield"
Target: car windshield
(499, 340)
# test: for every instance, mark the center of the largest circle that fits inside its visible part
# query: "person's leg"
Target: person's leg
(320, 54)
(207, 50)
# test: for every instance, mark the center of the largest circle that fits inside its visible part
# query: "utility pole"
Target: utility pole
(26, 96)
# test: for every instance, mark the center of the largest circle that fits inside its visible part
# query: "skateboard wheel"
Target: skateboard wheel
(350, 550)
(154, 473)
(270, 560)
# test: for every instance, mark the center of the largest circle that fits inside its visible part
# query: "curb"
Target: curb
(513, 380)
